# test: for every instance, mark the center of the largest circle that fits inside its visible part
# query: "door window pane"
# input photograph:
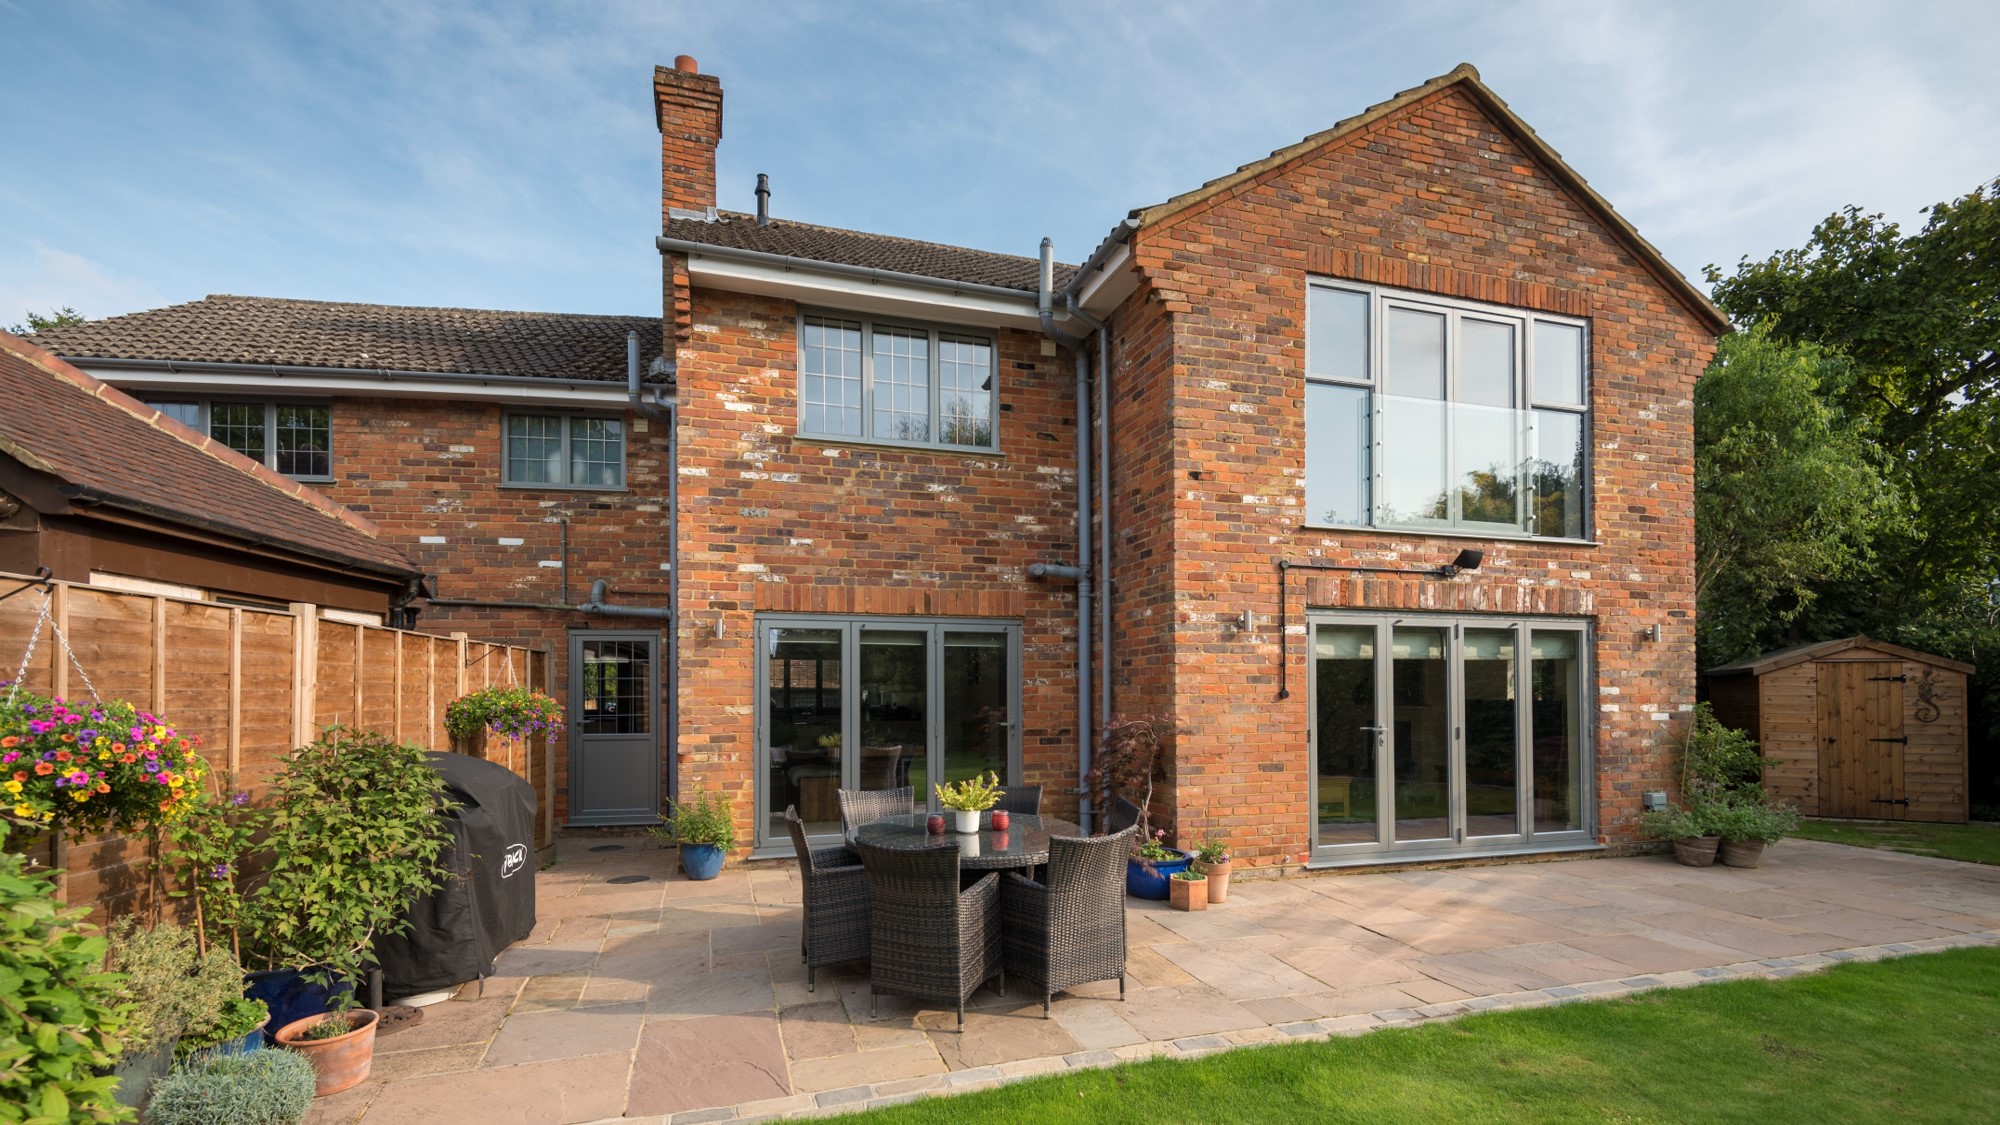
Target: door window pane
(1337, 334)
(895, 710)
(305, 440)
(1555, 675)
(965, 391)
(803, 721)
(830, 385)
(1421, 735)
(617, 679)
(902, 385)
(1347, 734)
(1337, 454)
(976, 730)
(1558, 474)
(1491, 772)
(1559, 363)
(240, 426)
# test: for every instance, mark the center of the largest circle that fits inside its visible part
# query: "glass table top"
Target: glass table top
(1024, 843)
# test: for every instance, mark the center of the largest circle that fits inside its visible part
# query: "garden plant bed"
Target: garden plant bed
(1972, 843)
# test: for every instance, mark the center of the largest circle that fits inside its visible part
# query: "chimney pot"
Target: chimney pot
(686, 64)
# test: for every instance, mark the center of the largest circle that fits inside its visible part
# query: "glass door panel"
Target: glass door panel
(977, 723)
(1420, 732)
(1492, 771)
(895, 710)
(1349, 734)
(804, 720)
(1555, 677)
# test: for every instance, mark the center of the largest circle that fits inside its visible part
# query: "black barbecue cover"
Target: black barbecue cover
(458, 930)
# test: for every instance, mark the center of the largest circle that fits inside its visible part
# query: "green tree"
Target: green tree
(36, 321)
(1788, 491)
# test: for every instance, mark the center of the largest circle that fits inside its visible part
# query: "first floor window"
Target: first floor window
(295, 439)
(564, 450)
(879, 703)
(878, 381)
(1425, 413)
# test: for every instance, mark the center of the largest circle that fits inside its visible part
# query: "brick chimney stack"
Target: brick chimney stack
(687, 105)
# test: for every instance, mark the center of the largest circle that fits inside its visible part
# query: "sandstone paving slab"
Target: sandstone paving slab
(1858, 927)
(1481, 973)
(1582, 970)
(995, 1036)
(1596, 920)
(1184, 1010)
(542, 961)
(817, 1031)
(555, 1092)
(1752, 935)
(707, 1061)
(1150, 967)
(867, 1067)
(1096, 1024)
(1355, 1001)
(572, 1033)
(1646, 955)
(713, 994)
(416, 1064)
(1209, 925)
(765, 937)
(1278, 1010)
(343, 1108)
(1350, 966)
(453, 1023)
(1236, 971)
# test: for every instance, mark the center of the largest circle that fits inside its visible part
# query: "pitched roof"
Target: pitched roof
(1467, 78)
(333, 334)
(107, 447)
(1799, 654)
(734, 230)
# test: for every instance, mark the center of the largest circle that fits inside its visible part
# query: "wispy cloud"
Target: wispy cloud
(42, 279)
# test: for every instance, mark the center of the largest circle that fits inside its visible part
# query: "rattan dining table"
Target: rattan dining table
(1024, 843)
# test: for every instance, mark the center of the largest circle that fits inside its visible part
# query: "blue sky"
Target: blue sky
(504, 155)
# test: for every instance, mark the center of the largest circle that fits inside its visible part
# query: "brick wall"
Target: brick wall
(1209, 418)
(688, 109)
(428, 474)
(774, 522)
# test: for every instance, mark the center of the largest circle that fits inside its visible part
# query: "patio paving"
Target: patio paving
(675, 1001)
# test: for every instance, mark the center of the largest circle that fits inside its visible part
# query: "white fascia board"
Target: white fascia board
(360, 385)
(1110, 284)
(886, 298)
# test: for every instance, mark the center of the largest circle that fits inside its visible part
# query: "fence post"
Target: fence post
(159, 655)
(59, 617)
(360, 672)
(235, 692)
(305, 671)
(399, 685)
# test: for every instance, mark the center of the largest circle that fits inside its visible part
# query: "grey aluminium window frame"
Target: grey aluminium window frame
(205, 404)
(851, 626)
(566, 416)
(1528, 403)
(936, 331)
(1525, 841)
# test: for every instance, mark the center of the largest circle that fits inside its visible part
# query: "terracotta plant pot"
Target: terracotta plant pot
(341, 1062)
(1188, 894)
(1697, 851)
(1741, 853)
(1218, 879)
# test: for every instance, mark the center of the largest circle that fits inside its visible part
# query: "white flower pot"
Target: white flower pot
(967, 820)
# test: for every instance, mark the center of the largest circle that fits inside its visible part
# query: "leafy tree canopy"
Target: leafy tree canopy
(56, 319)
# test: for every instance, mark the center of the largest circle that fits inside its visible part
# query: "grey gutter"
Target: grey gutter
(1120, 235)
(792, 263)
(386, 374)
(1086, 731)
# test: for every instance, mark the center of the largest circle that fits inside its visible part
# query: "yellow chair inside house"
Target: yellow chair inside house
(1335, 797)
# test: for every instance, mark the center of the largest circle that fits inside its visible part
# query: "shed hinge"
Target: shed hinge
(1905, 740)
(1888, 679)
(1904, 801)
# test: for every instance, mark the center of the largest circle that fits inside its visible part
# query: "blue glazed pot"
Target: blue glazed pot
(252, 1040)
(703, 861)
(1141, 883)
(291, 994)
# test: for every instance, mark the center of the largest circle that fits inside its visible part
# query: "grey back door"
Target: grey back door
(614, 732)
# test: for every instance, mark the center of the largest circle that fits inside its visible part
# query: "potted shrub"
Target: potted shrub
(1189, 889)
(267, 1088)
(1211, 858)
(61, 1006)
(339, 1044)
(967, 799)
(170, 988)
(511, 711)
(1747, 826)
(1149, 869)
(353, 835)
(705, 828)
(1694, 842)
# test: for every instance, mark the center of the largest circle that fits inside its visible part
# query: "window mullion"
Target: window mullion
(868, 379)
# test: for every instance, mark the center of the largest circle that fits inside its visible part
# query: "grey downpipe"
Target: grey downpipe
(1104, 505)
(668, 416)
(1086, 733)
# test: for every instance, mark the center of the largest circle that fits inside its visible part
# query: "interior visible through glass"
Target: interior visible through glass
(1421, 735)
(803, 718)
(1348, 734)
(895, 710)
(975, 706)
(1555, 675)
(1492, 772)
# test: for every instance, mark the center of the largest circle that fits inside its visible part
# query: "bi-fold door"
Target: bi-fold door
(878, 703)
(1435, 736)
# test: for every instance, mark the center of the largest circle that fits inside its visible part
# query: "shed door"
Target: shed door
(1861, 740)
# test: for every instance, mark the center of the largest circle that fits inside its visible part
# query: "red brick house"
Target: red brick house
(1381, 504)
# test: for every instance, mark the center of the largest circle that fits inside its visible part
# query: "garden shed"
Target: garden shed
(1854, 728)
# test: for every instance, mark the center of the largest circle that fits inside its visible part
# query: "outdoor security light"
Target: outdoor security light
(1467, 559)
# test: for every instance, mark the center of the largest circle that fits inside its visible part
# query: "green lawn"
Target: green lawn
(1911, 1039)
(1974, 843)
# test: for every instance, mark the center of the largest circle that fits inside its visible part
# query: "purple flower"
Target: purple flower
(85, 735)
(219, 871)
(240, 799)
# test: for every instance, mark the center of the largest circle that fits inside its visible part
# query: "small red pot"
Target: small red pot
(1000, 820)
(935, 824)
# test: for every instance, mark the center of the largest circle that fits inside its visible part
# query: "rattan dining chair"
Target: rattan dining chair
(1024, 799)
(866, 806)
(835, 925)
(1069, 929)
(1124, 814)
(928, 939)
